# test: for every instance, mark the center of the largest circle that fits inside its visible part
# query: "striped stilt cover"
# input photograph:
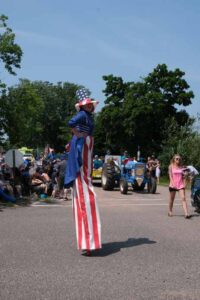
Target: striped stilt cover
(86, 213)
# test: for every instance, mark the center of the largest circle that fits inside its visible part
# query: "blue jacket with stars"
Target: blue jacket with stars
(83, 122)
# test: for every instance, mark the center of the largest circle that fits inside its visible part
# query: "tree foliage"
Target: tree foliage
(36, 113)
(10, 52)
(144, 113)
(137, 113)
(182, 140)
(10, 56)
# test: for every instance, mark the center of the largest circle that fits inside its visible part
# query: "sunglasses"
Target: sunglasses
(177, 158)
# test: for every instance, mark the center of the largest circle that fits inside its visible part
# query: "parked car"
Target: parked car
(27, 153)
(29, 156)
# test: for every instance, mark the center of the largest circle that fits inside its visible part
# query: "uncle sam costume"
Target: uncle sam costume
(78, 175)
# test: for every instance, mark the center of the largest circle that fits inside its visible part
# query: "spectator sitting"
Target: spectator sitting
(134, 159)
(17, 179)
(125, 157)
(4, 195)
(5, 185)
(46, 179)
(2, 181)
(131, 162)
(38, 183)
(26, 180)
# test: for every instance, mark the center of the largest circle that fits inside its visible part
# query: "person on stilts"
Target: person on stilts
(78, 175)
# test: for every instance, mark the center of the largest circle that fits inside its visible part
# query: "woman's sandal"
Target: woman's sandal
(169, 214)
(188, 217)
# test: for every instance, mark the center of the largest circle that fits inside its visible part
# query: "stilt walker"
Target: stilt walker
(78, 175)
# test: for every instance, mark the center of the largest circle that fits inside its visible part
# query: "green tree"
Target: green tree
(152, 103)
(10, 52)
(136, 113)
(10, 56)
(115, 90)
(59, 101)
(36, 113)
(109, 129)
(184, 140)
(21, 113)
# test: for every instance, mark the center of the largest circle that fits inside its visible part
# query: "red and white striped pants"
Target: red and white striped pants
(86, 213)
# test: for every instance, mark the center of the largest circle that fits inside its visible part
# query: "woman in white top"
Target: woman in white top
(158, 171)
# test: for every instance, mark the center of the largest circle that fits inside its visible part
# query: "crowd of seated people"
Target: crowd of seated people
(44, 176)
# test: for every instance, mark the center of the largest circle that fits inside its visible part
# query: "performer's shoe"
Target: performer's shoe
(86, 253)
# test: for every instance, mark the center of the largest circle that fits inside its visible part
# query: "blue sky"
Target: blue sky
(80, 41)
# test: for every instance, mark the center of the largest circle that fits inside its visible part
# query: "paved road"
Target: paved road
(145, 255)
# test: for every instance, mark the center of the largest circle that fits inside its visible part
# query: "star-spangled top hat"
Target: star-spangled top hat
(84, 99)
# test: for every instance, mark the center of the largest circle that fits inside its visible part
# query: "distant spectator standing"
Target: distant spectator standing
(158, 171)
(151, 165)
(61, 176)
(51, 155)
(46, 150)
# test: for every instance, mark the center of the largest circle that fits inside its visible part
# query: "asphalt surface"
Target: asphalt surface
(145, 254)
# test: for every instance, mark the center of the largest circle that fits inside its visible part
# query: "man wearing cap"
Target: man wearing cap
(97, 162)
(125, 157)
(78, 175)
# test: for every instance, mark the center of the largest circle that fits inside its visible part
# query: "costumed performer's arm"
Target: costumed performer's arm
(78, 119)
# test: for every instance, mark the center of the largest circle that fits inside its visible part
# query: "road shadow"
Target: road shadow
(192, 215)
(130, 190)
(114, 247)
(145, 192)
(96, 184)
